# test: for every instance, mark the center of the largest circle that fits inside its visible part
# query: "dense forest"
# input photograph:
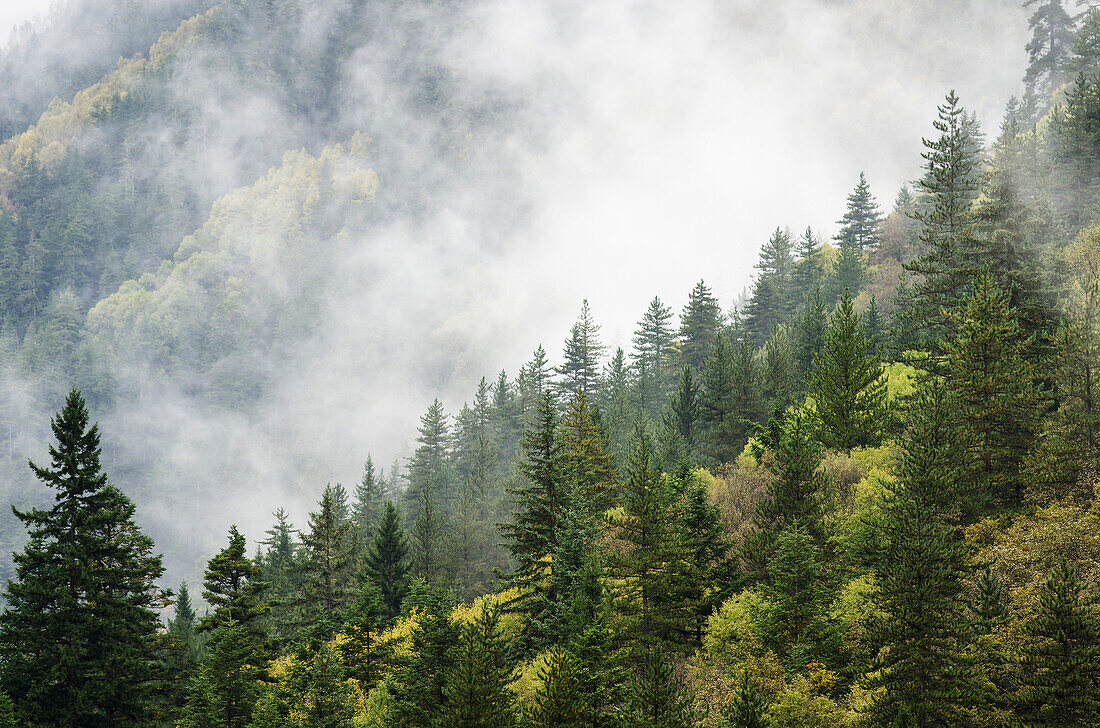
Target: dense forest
(865, 495)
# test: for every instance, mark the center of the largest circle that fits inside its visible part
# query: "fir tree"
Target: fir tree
(681, 421)
(921, 575)
(699, 324)
(1048, 50)
(849, 273)
(991, 383)
(327, 566)
(431, 468)
(848, 385)
(419, 694)
(872, 328)
(477, 694)
(427, 539)
(798, 596)
(363, 652)
(652, 357)
(808, 335)
(947, 189)
(533, 534)
(749, 708)
(535, 379)
(730, 399)
(77, 639)
(703, 566)
(1060, 677)
(769, 304)
(859, 228)
(587, 466)
(279, 567)
(1085, 58)
(233, 587)
(656, 698)
(325, 697)
(581, 356)
(370, 496)
(776, 374)
(808, 271)
(560, 697)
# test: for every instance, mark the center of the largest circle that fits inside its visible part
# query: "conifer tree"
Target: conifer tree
(427, 539)
(419, 693)
(1060, 676)
(233, 587)
(325, 698)
(873, 328)
(770, 302)
(477, 694)
(560, 697)
(1085, 53)
(1049, 49)
(797, 497)
(991, 384)
(580, 368)
(730, 400)
(921, 576)
(703, 564)
(749, 708)
(539, 500)
(700, 322)
(652, 357)
(776, 375)
(535, 379)
(644, 551)
(587, 467)
(387, 562)
(370, 496)
(432, 466)
(939, 277)
(77, 640)
(859, 228)
(656, 698)
(848, 274)
(681, 421)
(361, 647)
(616, 407)
(327, 565)
(848, 384)
(279, 567)
(796, 621)
(808, 271)
(506, 419)
(808, 335)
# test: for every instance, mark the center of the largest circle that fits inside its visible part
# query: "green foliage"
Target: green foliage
(580, 369)
(77, 639)
(656, 697)
(477, 693)
(749, 707)
(327, 566)
(848, 386)
(419, 692)
(699, 325)
(730, 402)
(560, 700)
(387, 563)
(1059, 674)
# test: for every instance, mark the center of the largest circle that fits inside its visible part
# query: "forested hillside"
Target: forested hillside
(864, 495)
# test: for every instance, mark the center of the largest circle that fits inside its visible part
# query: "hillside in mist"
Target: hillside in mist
(550, 364)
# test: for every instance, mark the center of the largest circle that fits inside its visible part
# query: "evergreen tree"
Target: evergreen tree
(859, 228)
(419, 692)
(770, 302)
(370, 496)
(921, 576)
(506, 419)
(849, 273)
(431, 469)
(872, 328)
(361, 648)
(560, 697)
(233, 587)
(427, 539)
(78, 637)
(991, 384)
(808, 271)
(699, 325)
(533, 534)
(326, 699)
(749, 708)
(279, 567)
(797, 497)
(939, 277)
(617, 406)
(652, 357)
(580, 369)
(387, 564)
(535, 379)
(730, 402)
(327, 565)
(808, 335)
(656, 699)
(776, 371)
(1048, 51)
(798, 596)
(477, 694)
(645, 549)
(848, 385)
(1085, 56)
(703, 566)
(1060, 676)
(588, 468)
(682, 421)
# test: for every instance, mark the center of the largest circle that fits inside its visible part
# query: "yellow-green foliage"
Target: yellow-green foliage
(805, 704)
(900, 380)
(730, 635)
(374, 709)
(57, 128)
(526, 680)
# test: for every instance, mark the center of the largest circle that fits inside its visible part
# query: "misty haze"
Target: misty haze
(522, 363)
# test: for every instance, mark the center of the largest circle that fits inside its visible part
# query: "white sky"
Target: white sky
(16, 12)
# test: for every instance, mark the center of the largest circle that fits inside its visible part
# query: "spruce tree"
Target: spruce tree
(653, 357)
(324, 696)
(681, 421)
(776, 371)
(921, 574)
(796, 623)
(280, 567)
(370, 497)
(1049, 49)
(808, 336)
(645, 549)
(431, 468)
(477, 694)
(991, 384)
(1085, 57)
(940, 276)
(363, 652)
(808, 271)
(580, 368)
(1060, 677)
(560, 697)
(588, 468)
(730, 402)
(327, 565)
(427, 539)
(234, 588)
(873, 328)
(848, 274)
(535, 379)
(859, 228)
(700, 322)
(749, 708)
(419, 691)
(78, 637)
(848, 385)
(703, 567)
(770, 302)
(656, 698)
(532, 536)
